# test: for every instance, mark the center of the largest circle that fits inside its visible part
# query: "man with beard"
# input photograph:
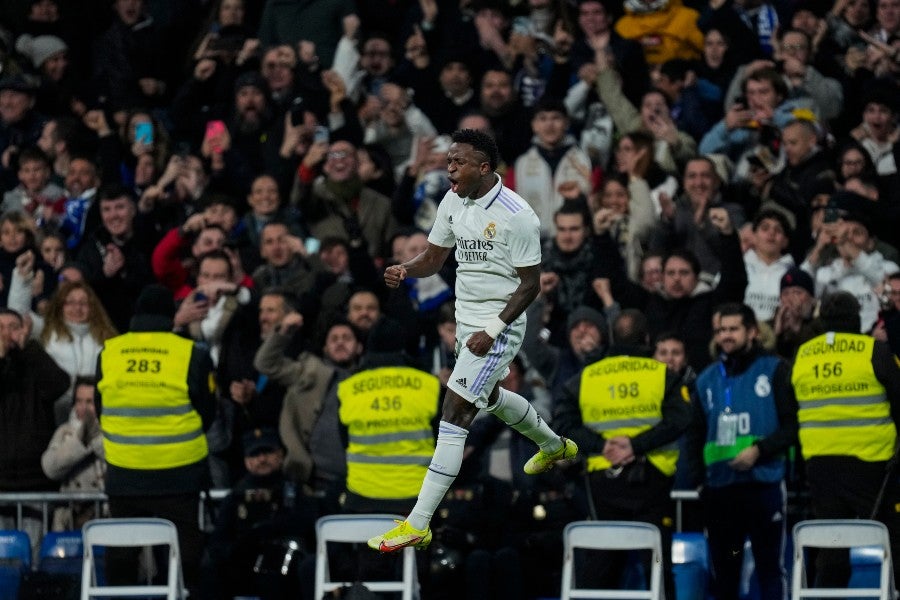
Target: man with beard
(744, 423)
(59, 137)
(82, 216)
(255, 132)
(309, 422)
(337, 203)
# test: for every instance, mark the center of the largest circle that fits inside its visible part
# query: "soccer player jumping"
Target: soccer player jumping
(497, 239)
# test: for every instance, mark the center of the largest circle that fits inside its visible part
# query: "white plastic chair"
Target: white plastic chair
(131, 533)
(841, 533)
(350, 529)
(611, 535)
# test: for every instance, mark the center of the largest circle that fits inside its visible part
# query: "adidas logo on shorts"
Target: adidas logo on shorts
(461, 381)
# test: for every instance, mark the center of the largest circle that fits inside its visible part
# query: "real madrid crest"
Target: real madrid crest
(490, 232)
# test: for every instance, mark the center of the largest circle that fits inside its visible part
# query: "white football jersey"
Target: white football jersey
(493, 235)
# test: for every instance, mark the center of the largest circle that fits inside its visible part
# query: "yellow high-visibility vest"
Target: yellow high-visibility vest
(622, 395)
(147, 418)
(844, 410)
(388, 413)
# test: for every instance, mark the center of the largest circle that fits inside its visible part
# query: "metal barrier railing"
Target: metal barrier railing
(46, 499)
(204, 521)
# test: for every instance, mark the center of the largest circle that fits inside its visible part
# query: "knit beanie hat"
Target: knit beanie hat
(39, 48)
(157, 300)
(797, 277)
(586, 313)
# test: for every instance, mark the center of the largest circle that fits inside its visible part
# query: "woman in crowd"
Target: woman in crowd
(72, 333)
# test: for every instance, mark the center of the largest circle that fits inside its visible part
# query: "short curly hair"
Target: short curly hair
(481, 142)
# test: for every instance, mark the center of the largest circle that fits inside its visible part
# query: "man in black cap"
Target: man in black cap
(155, 401)
(261, 518)
(20, 125)
(793, 322)
(587, 336)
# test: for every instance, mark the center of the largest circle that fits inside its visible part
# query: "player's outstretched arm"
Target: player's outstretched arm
(423, 265)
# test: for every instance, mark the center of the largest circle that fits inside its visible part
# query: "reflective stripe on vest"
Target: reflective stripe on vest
(388, 413)
(622, 395)
(843, 408)
(147, 418)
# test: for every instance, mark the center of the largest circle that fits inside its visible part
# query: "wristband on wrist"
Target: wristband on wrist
(494, 327)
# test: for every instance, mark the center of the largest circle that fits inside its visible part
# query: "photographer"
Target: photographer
(764, 104)
(209, 307)
(859, 268)
(174, 259)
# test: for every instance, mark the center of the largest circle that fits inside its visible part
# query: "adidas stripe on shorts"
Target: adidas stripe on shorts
(474, 377)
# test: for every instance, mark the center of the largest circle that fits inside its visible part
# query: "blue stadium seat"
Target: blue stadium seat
(62, 553)
(690, 565)
(15, 560)
(865, 562)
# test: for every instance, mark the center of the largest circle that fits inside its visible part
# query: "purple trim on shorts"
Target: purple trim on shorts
(491, 364)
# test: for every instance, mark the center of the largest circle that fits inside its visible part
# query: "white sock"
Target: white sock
(444, 467)
(517, 412)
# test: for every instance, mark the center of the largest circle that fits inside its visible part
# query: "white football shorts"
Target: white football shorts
(474, 377)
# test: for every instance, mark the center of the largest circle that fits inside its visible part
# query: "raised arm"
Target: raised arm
(423, 265)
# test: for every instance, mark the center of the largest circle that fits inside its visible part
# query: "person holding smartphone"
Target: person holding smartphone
(858, 268)
(763, 99)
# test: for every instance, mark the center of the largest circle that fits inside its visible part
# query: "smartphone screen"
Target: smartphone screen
(321, 134)
(143, 132)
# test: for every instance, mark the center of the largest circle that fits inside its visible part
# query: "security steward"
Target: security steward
(389, 409)
(627, 412)
(848, 393)
(744, 423)
(155, 401)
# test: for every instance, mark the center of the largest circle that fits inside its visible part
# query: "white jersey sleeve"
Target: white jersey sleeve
(525, 239)
(442, 230)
